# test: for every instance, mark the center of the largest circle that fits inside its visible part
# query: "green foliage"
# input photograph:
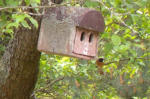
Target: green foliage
(125, 46)
(13, 18)
(81, 79)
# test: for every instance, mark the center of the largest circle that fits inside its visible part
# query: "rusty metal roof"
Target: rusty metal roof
(81, 17)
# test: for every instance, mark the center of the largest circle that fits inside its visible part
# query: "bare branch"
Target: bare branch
(33, 14)
(126, 59)
(54, 81)
(29, 7)
(50, 84)
(25, 7)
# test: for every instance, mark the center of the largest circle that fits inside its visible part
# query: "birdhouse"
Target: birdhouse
(71, 31)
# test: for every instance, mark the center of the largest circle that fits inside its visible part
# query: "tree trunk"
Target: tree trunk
(19, 65)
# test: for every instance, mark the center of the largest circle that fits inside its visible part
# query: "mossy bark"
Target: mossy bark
(19, 65)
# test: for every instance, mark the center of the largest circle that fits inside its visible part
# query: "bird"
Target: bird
(100, 64)
(57, 1)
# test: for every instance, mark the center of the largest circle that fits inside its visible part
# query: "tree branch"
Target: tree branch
(32, 14)
(50, 84)
(126, 59)
(29, 7)
(24, 7)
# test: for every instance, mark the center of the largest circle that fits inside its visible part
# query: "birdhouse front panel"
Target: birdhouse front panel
(71, 31)
(85, 42)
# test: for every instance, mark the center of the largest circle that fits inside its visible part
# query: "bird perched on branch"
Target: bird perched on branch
(100, 64)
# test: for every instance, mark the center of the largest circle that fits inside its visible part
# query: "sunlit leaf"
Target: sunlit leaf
(116, 40)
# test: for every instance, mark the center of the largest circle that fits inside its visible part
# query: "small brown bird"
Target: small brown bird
(100, 64)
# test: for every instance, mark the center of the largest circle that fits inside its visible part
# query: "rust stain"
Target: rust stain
(92, 20)
(82, 17)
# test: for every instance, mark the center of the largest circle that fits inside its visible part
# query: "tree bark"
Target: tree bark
(19, 64)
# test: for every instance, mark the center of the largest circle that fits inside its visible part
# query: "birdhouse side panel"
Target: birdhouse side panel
(56, 36)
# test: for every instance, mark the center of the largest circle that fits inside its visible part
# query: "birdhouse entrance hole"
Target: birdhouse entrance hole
(91, 38)
(85, 42)
(82, 36)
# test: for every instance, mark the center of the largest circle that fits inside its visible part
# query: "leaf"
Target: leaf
(2, 48)
(1, 3)
(108, 47)
(27, 2)
(116, 40)
(25, 24)
(2, 23)
(10, 25)
(13, 2)
(91, 4)
(141, 3)
(123, 48)
(36, 1)
(9, 31)
(18, 17)
(34, 22)
(105, 35)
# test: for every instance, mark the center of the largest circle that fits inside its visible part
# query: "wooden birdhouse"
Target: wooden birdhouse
(71, 31)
